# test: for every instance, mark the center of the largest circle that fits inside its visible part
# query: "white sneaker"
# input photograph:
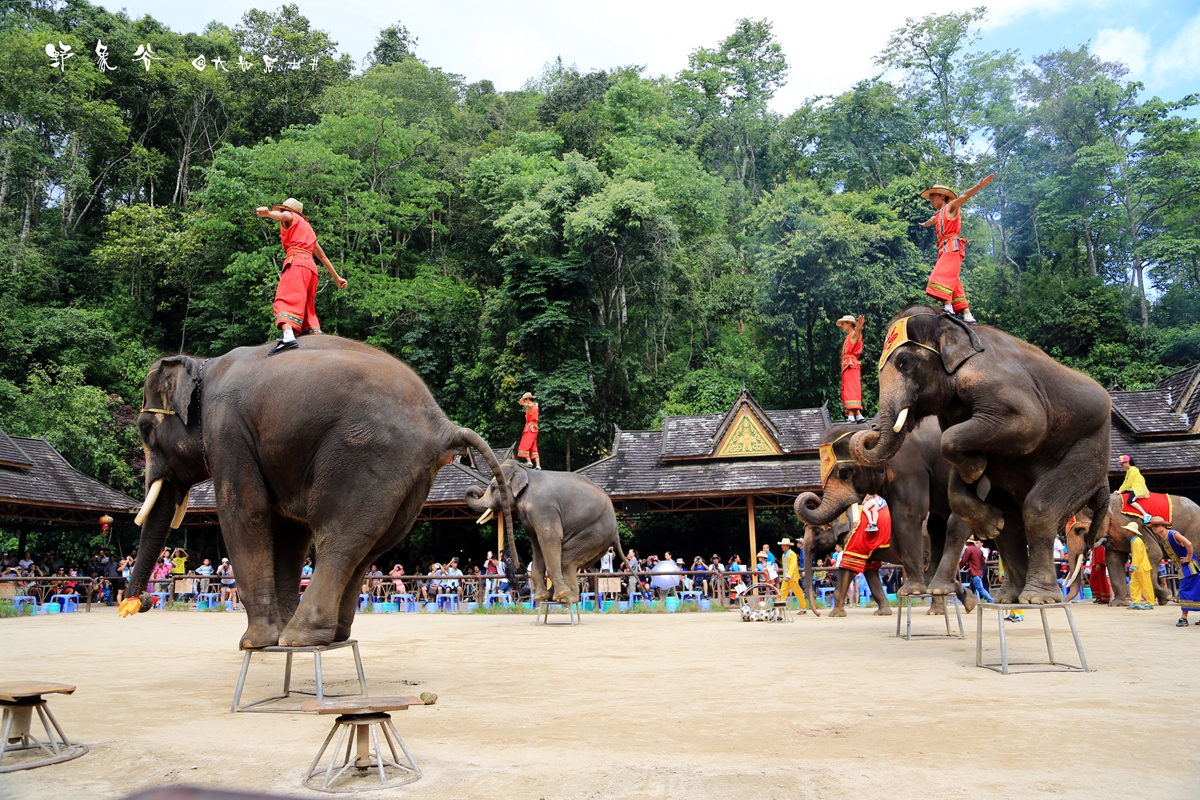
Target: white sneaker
(968, 318)
(948, 308)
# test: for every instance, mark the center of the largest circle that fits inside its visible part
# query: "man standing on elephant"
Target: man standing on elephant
(529, 434)
(295, 297)
(789, 578)
(945, 282)
(852, 347)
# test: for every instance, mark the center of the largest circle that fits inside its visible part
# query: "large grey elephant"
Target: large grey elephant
(914, 483)
(570, 520)
(1038, 431)
(335, 444)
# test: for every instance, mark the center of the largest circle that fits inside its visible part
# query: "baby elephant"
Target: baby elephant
(570, 520)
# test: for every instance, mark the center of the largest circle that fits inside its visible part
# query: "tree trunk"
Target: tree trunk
(568, 451)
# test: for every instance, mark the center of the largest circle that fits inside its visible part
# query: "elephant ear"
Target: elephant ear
(958, 342)
(171, 386)
(517, 477)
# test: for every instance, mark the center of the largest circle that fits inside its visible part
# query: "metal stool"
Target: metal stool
(1048, 666)
(360, 716)
(19, 701)
(905, 602)
(543, 613)
(287, 676)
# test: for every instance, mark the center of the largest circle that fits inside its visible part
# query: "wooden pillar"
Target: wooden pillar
(753, 533)
(500, 535)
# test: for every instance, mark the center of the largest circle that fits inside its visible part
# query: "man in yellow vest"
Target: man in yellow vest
(789, 578)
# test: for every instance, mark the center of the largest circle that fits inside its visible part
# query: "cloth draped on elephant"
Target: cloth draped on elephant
(1189, 574)
(529, 434)
(1098, 580)
(296, 295)
(852, 375)
(1156, 505)
(862, 543)
(945, 282)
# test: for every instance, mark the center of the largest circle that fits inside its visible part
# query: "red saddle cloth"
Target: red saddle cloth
(1156, 505)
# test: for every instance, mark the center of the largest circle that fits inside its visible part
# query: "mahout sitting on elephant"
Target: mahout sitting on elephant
(1039, 432)
(570, 520)
(914, 484)
(335, 446)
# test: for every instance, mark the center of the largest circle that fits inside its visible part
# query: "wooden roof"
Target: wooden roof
(37, 483)
(1159, 427)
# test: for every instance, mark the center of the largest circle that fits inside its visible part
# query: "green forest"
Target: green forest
(622, 244)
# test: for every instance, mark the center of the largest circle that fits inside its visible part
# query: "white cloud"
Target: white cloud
(1180, 58)
(1127, 45)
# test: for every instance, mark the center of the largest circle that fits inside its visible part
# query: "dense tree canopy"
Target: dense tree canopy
(621, 244)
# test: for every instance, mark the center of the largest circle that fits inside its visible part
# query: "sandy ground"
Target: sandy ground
(637, 706)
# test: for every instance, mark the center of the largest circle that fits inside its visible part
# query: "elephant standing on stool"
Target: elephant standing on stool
(1037, 430)
(570, 520)
(913, 483)
(334, 445)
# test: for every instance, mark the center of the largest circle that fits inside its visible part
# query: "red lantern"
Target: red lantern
(105, 521)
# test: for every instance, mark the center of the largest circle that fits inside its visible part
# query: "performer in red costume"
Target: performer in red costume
(945, 282)
(852, 347)
(528, 447)
(295, 297)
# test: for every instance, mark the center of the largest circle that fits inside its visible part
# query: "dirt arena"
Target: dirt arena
(636, 706)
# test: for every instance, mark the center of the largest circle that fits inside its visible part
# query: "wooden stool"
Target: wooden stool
(287, 676)
(906, 603)
(1045, 666)
(19, 701)
(359, 716)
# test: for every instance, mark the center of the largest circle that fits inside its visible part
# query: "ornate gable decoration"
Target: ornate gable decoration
(746, 436)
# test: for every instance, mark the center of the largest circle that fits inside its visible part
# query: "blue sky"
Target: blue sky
(829, 45)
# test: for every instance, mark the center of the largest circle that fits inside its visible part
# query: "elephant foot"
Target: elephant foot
(259, 635)
(883, 611)
(912, 587)
(1119, 603)
(1036, 593)
(541, 597)
(565, 597)
(1005, 595)
(971, 468)
(936, 611)
(941, 587)
(342, 633)
(837, 612)
(297, 636)
(969, 601)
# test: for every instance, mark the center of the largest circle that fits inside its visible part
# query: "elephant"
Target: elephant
(1037, 431)
(1185, 519)
(570, 519)
(819, 542)
(334, 444)
(914, 484)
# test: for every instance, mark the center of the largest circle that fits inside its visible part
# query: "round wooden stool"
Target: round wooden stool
(366, 720)
(20, 701)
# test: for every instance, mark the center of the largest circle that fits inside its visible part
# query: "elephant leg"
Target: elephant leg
(550, 535)
(985, 519)
(844, 577)
(906, 546)
(292, 540)
(246, 527)
(1114, 560)
(1017, 430)
(884, 608)
(1056, 495)
(1015, 556)
(945, 579)
(538, 570)
(937, 606)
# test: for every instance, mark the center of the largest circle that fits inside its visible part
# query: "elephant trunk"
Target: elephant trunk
(156, 524)
(808, 557)
(474, 499)
(836, 499)
(512, 561)
(875, 448)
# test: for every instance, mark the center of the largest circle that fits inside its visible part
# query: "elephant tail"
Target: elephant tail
(465, 437)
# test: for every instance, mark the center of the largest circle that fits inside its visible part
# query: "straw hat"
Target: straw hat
(847, 318)
(1132, 527)
(526, 396)
(1157, 520)
(938, 188)
(291, 204)
(787, 541)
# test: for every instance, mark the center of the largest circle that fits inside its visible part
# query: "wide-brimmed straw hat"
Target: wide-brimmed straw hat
(526, 396)
(847, 318)
(291, 204)
(1132, 527)
(787, 541)
(1157, 520)
(938, 188)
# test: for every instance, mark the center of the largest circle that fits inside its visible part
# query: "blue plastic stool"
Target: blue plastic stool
(450, 600)
(588, 601)
(694, 597)
(160, 599)
(213, 599)
(24, 599)
(499, 597)
(69, 603)
(363, 601)
(825, 592)
(637, 597)
(408, 600)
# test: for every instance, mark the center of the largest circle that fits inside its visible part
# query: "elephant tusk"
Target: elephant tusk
(180, 510)
(900, 420)
(484, 517)
(1075, 572)
(151, 499)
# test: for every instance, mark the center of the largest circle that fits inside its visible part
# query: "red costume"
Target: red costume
(863, 543)
(852, 348)
(295, 298)
(945, 283)
(1098, 580)
(528, 447)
